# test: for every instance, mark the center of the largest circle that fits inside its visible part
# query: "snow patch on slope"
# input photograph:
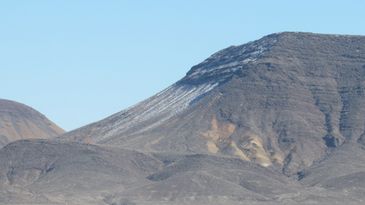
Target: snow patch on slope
(226, 62)
(159, 107)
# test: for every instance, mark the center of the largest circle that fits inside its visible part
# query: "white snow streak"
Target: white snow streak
(161, 107)
(247, 53)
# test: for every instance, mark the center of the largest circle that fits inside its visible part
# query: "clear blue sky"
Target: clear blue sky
(80, 61)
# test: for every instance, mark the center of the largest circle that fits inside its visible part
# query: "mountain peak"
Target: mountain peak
(225, 63)
(229, 60)
(15, 107)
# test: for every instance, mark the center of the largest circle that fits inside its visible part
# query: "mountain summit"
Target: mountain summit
(283, 101)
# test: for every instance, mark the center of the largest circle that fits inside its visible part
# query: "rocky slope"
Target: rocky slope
(52, 172)
(276, 121)
(282, 101)
(18, 121)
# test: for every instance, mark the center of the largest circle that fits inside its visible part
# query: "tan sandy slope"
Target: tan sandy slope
(18, 121)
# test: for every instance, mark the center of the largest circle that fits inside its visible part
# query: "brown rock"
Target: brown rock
(18, 121)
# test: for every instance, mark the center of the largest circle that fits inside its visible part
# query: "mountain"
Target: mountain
(18, 121)
(275, 121)
(285, 101)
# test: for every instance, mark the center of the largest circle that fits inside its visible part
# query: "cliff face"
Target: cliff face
(18, 121)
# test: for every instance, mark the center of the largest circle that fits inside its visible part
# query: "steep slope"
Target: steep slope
(283, 101)
(18, 121)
